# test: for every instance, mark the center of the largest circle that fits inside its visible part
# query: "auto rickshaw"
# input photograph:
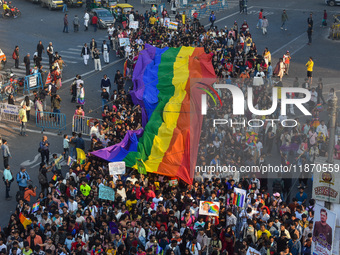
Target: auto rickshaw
(119, 11)
(3, 59)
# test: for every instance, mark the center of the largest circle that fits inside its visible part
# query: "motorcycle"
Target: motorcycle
(14, 12)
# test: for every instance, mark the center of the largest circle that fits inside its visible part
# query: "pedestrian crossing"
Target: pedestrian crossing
(70, 56)
(21, 72)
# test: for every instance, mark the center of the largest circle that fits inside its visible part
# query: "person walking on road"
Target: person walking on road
(105, 52)
(85, 53)
(22, 179)
(310, 66)
(319, 89)
(284, 19)
(44, 148)
(6, 154)
(8, 179)
(86, 20)
(259, 23)
(40, 50)
(265, 24)
(27, 63)
(310, 33)
(76, 24)
(241, 4)
(324, 19)
(310, 20)
(65, 6)
(23, 120)
(93, 46)
(106, 83)
(212, 19)
(16, 57)
(65, 30)
(97, 64)
(50, 53)
(95, 22)
(81, 95)
(105, 97)
(286, 60)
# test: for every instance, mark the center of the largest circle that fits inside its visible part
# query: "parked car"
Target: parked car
(52, 4)
(105, 18)
(75, 3)
(332, 2)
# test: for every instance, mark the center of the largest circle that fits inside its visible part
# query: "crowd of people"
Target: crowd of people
(147, 215)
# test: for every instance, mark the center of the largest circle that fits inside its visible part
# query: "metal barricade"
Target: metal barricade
(9, 112)
(50, 120)
(83, 124)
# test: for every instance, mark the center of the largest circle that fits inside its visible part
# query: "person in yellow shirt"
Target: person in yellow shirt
(23, 120)
(152, 20)
(263, 231)
(310, 66)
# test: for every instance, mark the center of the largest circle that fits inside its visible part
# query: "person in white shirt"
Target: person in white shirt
(322, 128)
(314, 99)
(95, 130)
(132, 178)
(72, 205)
(157, 199)
(86, 20)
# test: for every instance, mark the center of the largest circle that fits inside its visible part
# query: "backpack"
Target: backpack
(14, 56)
(19, 196)
(42, 179)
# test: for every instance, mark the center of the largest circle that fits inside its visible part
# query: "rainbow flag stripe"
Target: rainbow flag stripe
(24, 221)
(163, 82)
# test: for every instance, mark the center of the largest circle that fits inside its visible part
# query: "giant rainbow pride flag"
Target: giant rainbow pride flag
(163, 87)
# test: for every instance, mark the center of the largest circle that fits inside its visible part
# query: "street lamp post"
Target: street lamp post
(332, 107)
(332, 104)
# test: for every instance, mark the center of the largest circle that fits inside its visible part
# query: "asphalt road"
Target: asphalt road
(38, 23)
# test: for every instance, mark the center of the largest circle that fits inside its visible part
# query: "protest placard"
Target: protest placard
(173, 25)
(124, 42)
(323, 230)
(133, 24)
(166, 22)
(106, 193)
(117, 168)
(209, 208)
(173, 182)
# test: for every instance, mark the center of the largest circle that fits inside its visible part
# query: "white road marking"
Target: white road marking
(71, 52)
(285, 45)
(29, 162)
(227, 17)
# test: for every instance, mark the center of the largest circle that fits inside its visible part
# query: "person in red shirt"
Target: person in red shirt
(259, 23)
(95, 22)
(78, 241)
(164, 13)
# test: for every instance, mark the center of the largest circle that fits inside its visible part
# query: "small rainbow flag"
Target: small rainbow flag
(35, 207)
(24, 221)
(58, 191)
(54, 178)
(70, 161)
(319, 107)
